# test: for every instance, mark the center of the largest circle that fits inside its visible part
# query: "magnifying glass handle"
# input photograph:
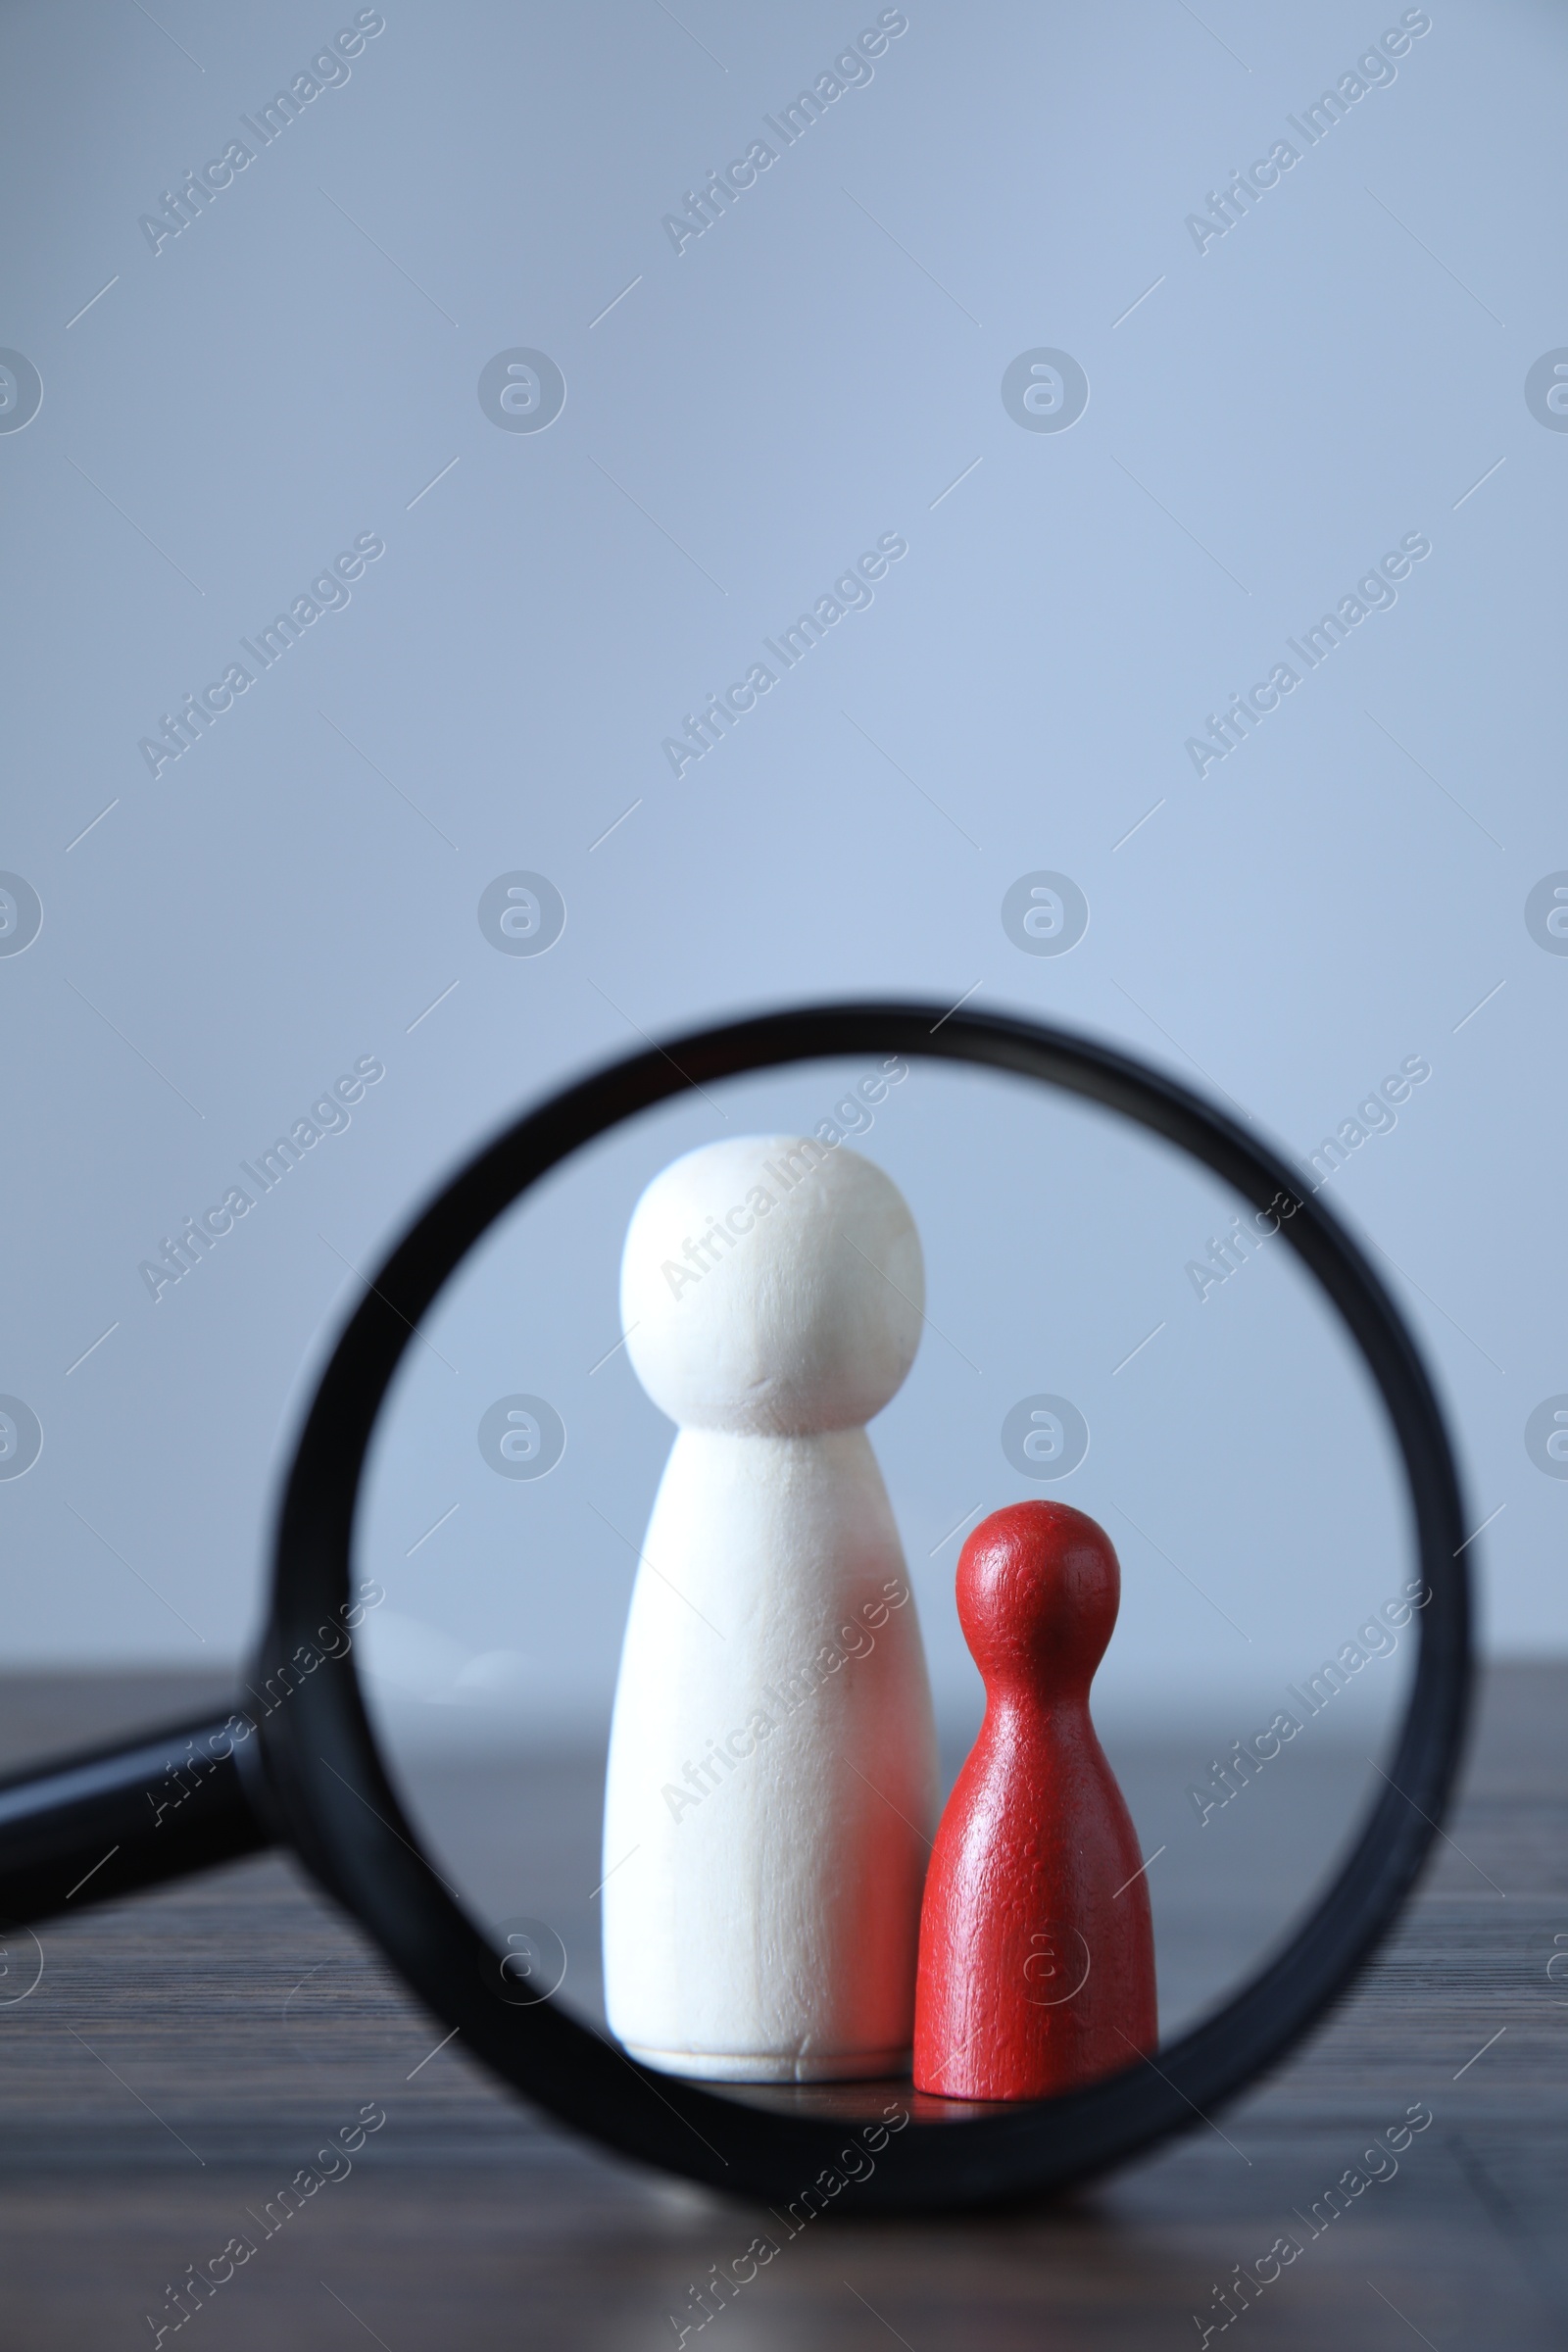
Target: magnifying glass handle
(95, 1827)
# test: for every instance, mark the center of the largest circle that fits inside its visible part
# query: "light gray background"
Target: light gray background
(300, 365)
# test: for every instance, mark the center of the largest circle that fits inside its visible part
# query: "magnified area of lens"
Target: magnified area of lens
(891, 1577)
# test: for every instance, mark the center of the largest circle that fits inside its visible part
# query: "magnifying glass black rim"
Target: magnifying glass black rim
(341, 1812)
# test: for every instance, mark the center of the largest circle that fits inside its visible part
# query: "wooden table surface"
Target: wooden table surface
(183, 2056)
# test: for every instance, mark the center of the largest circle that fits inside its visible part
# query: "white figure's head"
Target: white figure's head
(773, 1286)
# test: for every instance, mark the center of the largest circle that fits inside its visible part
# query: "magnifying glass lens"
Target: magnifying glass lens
(690, 1631)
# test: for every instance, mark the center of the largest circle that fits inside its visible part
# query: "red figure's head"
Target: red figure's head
(1038, 1589)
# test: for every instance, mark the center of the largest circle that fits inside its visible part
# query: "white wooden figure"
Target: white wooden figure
(772, 1784)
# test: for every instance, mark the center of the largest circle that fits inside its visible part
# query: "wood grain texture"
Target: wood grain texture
(184, 2055)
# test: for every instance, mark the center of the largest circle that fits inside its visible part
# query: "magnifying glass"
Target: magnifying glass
(1120, 1303)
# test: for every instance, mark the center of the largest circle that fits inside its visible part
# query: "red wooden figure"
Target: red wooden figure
(1037, 1954)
